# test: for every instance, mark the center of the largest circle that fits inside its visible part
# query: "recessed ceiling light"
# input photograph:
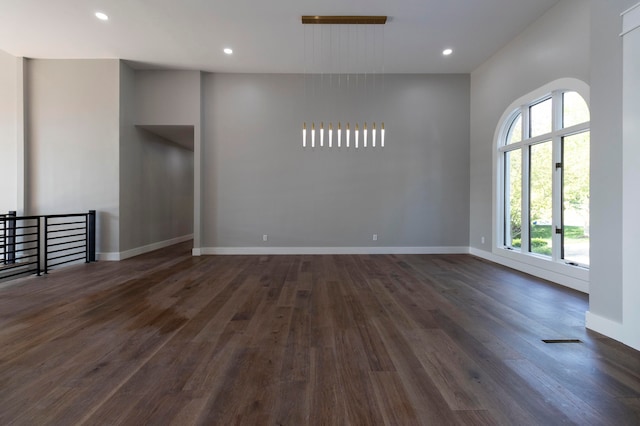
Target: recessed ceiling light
(447, 52)
(228, 51)
(102, 16)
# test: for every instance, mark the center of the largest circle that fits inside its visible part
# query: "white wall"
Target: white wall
(259, 180)
(8, 133)
(555, 46)
(613, 305)
(631, 177)
(605, 301)
(72, 136)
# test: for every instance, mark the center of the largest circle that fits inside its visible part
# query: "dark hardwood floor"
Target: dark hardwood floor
(167, 338)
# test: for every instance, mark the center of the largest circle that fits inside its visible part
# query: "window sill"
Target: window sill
(575, 277)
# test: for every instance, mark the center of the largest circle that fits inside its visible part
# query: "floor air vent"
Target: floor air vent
(561, 341)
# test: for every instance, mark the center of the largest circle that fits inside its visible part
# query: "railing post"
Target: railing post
(10, 237)
(91, 236)
(44, 247)
(39, 248)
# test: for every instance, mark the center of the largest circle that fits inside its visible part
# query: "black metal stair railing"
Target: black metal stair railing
(36, 244)
(20, 241)
(68, 238)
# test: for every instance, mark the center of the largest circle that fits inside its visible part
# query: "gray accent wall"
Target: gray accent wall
(72, 141)
(258, 179)
(167, 97)
(156, 174)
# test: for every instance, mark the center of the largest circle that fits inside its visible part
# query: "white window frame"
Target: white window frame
(554, 268)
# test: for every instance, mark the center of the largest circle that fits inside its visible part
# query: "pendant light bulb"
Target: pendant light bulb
(321, 134)
(348, 135)
(339, 135)
(382, 134)
(313, 135)
(357, 130)
(373, 135)
(304, 135)
(364, 135)
(330, 135)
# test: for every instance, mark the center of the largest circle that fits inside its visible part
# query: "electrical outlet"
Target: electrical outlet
(375, 237)
(264, 237)
(482, 240)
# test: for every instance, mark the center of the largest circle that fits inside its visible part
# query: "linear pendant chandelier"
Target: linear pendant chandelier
(340, 78)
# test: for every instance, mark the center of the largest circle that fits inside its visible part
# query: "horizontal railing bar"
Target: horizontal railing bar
(26, 250)
(8, 218)
(19, 265)
(23, 235)
(66, 242)
(24, 242)
(14, 251)
(63, 256)
(83, 247)
(64, 236)
(25, 256)
(66, 215)
(15, 228)
(51, 231)
(10, 266)
(28, 271)
(67, 261)
(66, 223)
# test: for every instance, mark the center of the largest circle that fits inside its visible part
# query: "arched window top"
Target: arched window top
(574, 109)
(514, 134)
(559, 105)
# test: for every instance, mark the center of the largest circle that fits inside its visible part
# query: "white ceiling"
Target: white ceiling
(266, 36)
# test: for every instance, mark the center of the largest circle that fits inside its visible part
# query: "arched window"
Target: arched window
(543, 176)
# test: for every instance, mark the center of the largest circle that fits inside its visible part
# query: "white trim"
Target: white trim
(540, 272)
(196, 252)
(605, 326)
(327, 250)
(108, 257)
(630, 195)
(557, 272)
(630, 19)
(117, 256)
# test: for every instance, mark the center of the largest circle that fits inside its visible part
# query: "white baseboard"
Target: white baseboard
(108, 257)
(142, 250)
(604, 326)
(545, 274)
(627, 335)
(327, 250)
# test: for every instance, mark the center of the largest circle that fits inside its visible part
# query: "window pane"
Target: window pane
(540, 198)
(574, 109)
(540, 118)
(575, 198)
(513, 198)
(515, 131)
